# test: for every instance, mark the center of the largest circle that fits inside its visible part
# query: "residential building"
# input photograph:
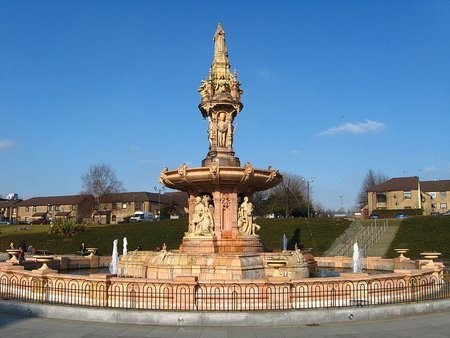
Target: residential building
(402, 193)
(115, 207)
(439, 192)
(8, 209)
(78, 207)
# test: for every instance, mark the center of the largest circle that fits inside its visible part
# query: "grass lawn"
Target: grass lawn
(423, 233)
(318, 234)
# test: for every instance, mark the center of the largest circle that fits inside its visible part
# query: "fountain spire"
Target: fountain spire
(221, 102)
(221, 63)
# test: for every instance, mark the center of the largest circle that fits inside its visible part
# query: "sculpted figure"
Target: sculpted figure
(245, 218)
(222, 130)
(210, 131)
(230, 134)
(203, 90)
(221, 86)
(202, 221)
(219, 41)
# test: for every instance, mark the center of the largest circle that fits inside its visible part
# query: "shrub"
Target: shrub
(384, 213)
(66, 227)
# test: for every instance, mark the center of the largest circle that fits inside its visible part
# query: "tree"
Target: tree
(371, 180)
(288, 199)
(100, 179)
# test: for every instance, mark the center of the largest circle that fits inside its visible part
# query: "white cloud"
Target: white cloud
(365, 127)
(5, 144)
(267, 74)
(430, 169)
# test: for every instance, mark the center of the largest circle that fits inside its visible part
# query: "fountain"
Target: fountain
(221, 241)
(356, 261)
(285, 242)
(114, 258)
(125, 247)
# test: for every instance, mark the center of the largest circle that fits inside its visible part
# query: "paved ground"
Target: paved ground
(433, 325)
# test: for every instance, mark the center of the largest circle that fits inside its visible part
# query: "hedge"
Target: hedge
(391, 213)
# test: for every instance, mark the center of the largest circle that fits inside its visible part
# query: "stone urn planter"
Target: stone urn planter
(276, 264)
(401, 253)
(44, 259)
(14, 253)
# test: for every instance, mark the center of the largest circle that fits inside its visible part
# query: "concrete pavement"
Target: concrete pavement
(430, 325)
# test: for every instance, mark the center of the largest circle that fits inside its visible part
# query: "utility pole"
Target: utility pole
(311, 180)
(159, 190)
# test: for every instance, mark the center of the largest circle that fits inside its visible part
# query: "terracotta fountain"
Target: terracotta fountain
(221, 241)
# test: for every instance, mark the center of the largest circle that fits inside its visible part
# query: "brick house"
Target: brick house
(402, 193)
(78, 207)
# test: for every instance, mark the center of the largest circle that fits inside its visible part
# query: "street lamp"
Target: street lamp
(159, 190)
(311, 180)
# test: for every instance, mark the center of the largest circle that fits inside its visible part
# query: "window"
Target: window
(381, 198)
(34, 208)
(49, 207)
(124, 205)
(27, 209)
(113, 217)
(407, 194)
(443, 205)
(432, 194)
(14, 211)
(137, 206)
(443, 194)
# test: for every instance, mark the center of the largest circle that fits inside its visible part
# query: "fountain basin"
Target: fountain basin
(203, 178)
(211, 266)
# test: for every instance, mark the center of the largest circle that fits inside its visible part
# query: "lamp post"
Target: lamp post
(159, 190)
(311, 180)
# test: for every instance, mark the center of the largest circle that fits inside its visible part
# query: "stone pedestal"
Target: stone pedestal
(232, 244)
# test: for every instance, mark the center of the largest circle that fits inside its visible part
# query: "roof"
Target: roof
(63, 213)
(433, 186)
(55, 200)
(39, 214)
(102, 212)
(8, 203)
(139, 196)
(398, 183)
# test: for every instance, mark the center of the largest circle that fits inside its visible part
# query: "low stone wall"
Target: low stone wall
(374, 263)
(187, 293)
(69, 262)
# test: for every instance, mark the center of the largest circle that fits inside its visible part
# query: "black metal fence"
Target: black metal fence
(222, 297)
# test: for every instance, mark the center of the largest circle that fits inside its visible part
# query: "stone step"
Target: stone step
(381, 247)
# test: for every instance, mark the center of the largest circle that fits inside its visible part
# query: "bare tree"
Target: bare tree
(100, 179)
(371, 180)
(288, 198)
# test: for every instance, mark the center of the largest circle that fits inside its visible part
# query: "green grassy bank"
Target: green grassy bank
(423, 233)
(318, 234)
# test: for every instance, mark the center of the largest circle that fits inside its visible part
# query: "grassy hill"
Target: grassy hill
(423, 233)
(318, 234)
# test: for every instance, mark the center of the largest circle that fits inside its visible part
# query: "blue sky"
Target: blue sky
(332, 89)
